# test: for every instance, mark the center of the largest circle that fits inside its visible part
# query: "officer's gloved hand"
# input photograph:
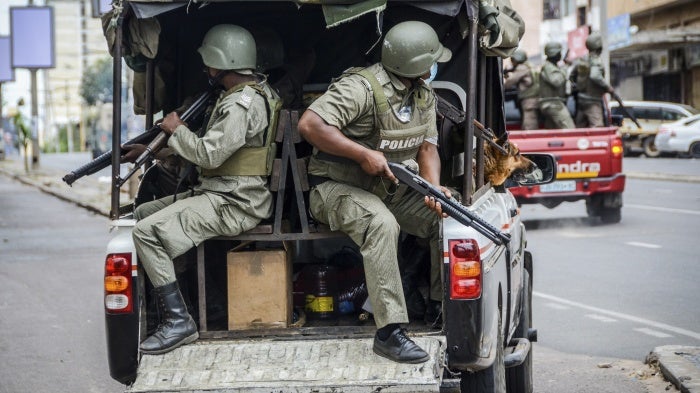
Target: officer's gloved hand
(487, 18)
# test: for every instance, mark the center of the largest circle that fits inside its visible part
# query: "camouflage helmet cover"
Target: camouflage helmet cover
(594, 41)
(519, 56)
(229, 47)
(410, 48)
(552, 49)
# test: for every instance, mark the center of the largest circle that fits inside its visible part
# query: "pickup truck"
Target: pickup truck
(485, 341)
(589, 166)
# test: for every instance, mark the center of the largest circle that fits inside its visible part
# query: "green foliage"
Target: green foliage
(97, 82)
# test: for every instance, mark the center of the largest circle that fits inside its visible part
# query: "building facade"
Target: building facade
(660, 57)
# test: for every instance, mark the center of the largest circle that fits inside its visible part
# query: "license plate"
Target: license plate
(559, 186)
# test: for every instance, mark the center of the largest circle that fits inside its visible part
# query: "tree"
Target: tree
(96, 84)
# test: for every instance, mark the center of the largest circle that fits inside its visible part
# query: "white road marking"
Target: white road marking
(663, 209)
(601, 318)
(652, 332)
(645, 245)
(556, 306)
(614, 314)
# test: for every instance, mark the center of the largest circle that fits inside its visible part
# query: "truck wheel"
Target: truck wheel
(611, 215)
(519, 378)
(649, 147)
(490, 380)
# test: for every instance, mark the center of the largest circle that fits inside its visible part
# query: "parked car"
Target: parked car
(682, 136)
(650, 115)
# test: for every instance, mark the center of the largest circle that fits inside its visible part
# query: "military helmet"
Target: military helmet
(411, 48)
(552, 49)
(229, 47)
(594, 41)
(270, 49)
(519, 56)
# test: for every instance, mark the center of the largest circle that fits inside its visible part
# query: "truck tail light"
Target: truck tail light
(616, 147)
(465, 269)
(118, 283)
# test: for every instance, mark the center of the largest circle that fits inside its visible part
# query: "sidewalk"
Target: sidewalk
(679, 364)
(90, 192)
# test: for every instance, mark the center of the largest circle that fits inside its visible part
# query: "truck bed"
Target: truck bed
(327, 365)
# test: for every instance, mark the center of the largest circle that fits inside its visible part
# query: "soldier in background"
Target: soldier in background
(588, 75)
(525, 78)
(552, 103)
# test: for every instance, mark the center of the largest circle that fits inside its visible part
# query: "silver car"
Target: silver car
(681, 136)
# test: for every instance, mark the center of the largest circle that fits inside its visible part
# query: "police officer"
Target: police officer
(368, 117)
(525, 78)
(552, 103)
(588, 75)
(233, 158)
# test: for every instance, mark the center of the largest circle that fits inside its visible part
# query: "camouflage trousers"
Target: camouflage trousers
(166, 230)
(374, 224)
(589, 115)
(556, 115)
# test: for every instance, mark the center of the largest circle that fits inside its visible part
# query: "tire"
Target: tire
(489, 380)
(519, 378)
(650, 149)
(611, 215)
(694, 150)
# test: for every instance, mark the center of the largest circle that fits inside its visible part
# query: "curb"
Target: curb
(663, 176)
(679, 364)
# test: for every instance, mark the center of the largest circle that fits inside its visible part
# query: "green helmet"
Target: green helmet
(552, 49)
(519, 57)
(594, 41)
(411, 48)
(228, 47)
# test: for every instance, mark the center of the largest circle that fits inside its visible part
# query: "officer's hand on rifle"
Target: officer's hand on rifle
(171, 122)
(374, 163)
(131, 152)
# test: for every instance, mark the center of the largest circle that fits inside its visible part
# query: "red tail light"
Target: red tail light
(616, 149)
(465, 269)
(118, 283)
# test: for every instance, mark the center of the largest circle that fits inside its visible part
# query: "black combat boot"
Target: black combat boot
(176, 327)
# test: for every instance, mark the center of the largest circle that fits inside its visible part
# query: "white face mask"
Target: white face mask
(433, 72)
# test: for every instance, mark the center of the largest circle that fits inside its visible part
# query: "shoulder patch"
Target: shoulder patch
(246, 97)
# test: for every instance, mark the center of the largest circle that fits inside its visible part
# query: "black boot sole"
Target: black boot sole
(187, 340)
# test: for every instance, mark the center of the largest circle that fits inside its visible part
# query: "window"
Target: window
(581, 16)
(551, 9)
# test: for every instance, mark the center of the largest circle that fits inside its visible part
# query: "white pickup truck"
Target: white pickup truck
(484, 343)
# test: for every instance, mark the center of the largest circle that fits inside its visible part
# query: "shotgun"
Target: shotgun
(450, 206)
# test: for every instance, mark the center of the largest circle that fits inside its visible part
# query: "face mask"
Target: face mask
(433, 72)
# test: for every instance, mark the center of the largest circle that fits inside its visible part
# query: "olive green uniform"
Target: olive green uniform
(552, 101)
(526, 79)
(589, 76)
(233, 195)
(366, 106)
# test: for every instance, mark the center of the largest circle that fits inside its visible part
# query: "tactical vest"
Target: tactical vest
(583, 71)
(592, 91)
(534, 89)
(548, 91)
(398, 140)
(250, 161)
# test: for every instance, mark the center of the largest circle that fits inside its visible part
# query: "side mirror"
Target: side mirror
(544, 171)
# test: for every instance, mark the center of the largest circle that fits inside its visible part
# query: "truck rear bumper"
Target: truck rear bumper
(289, 366)
(583, 188)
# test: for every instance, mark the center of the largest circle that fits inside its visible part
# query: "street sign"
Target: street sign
(7, 74)
(619, 31)
(577, 42)
(32, 37)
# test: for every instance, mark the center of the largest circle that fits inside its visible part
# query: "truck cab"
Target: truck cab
(282, 307)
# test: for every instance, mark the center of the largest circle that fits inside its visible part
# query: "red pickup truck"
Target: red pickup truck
(589, 162)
